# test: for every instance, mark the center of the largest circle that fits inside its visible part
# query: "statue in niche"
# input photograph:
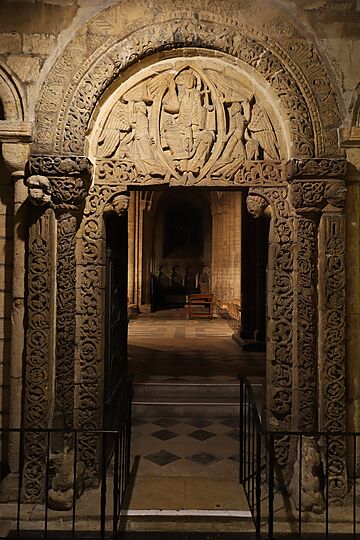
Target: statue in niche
(187, 121)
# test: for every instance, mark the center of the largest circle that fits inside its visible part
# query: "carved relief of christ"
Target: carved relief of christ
(185, 127)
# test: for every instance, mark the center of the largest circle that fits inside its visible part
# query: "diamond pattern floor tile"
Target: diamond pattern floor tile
(164, 434)
(201, 435)
(203, 458)
(162, 458)
(199, 422)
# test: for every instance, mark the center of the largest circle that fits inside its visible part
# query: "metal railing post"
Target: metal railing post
(271, 487)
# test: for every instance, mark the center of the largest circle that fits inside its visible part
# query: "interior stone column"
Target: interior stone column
(15, 155)
(57, 187)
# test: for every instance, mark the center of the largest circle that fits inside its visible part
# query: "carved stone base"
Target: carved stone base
(305, 491)
(60, 496)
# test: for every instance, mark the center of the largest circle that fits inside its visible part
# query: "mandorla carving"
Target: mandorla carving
(187, 123)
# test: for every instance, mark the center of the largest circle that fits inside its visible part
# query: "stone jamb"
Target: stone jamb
(57, 187)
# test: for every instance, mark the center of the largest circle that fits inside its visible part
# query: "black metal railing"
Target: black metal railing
(315, 497)
(250, 451)
(61, 489)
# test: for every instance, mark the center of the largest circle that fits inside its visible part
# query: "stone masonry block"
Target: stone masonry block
(10, 42)
(25, 67)
(38, 43)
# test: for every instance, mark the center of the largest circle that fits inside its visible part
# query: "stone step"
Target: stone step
(183, 407)
(151, 391)
(186, 399)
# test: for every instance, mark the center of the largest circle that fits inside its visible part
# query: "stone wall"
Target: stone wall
(226, 249)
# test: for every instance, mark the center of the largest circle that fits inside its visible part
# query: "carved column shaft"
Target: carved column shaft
(65, 319)
(318, 187)
(305, 324)
(92, 319)
(61, 184)
(15, 156)
(332, 347)
(39, 351)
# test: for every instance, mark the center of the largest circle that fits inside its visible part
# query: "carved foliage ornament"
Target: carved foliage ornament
(97, 72)
(316, 168)
(186, 122)
(314, 196)
(91, 326)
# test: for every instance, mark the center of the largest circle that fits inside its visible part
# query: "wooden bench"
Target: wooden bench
(195, 301)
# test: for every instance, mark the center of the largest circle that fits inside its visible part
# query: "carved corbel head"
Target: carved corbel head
(335, 194)
(257, 206)
(118, 204)
(39, 189)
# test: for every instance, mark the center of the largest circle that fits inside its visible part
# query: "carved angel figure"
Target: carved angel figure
(260, 136)
(115, 130)
(126, 134)
(234, 150)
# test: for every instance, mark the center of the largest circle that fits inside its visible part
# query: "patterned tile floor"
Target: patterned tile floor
(193, 462)
(197, 447)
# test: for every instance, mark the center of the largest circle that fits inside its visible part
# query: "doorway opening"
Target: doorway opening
(179, 242)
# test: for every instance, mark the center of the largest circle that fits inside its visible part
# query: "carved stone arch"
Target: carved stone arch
(355, 108)
(12, 96)
(101, 52)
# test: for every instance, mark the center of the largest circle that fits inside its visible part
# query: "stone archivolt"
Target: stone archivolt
(283, 58)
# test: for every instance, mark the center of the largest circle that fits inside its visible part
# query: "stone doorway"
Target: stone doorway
(195, 131)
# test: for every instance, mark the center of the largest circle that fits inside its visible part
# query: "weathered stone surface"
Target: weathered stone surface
(10, 42)
(41, 44)
(26, 68)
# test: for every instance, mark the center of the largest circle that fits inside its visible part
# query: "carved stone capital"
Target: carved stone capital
(118, 204)
(313, 196)
(60, 166)
(315, 168)
(64, 181)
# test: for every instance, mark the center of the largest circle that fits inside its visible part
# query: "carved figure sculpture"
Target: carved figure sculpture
(186, 121)
(186, 131)
(260, 136)
(118, 204)
(39, 189)
(311, 496)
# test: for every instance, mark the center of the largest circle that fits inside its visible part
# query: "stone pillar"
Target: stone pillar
(306, 199)
(351, 143)
(15, 156)
(280, 303)
(57, 184)
(319, 315)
